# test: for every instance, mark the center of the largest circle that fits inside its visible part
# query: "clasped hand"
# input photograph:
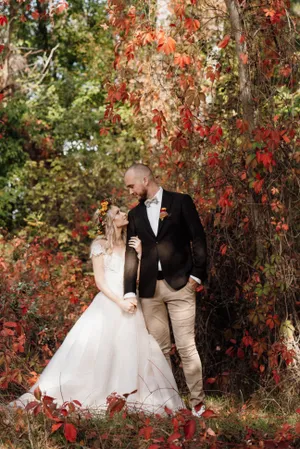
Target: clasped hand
(129, 305)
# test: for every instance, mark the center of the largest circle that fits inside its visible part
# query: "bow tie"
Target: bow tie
(151, 201)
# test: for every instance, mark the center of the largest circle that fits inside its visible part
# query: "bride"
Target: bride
(109, 349)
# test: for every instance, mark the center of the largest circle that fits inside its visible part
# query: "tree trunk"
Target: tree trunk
(42, 35)
(245, 85)
(244, 74)
(162, 13)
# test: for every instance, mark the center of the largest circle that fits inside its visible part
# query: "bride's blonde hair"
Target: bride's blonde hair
(107, 224)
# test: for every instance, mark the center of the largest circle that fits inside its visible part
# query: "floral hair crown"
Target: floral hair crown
(102, 211)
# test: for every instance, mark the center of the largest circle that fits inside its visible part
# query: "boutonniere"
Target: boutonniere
(163, 213)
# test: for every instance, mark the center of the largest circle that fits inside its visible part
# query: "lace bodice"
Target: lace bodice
(113, 266)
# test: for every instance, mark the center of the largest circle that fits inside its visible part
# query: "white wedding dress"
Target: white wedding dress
(108, 351)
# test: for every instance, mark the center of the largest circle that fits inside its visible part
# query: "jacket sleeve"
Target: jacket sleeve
(131, 260)
(197, 237)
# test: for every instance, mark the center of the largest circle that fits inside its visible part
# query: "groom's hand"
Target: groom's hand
(194, 284)
(127, 306)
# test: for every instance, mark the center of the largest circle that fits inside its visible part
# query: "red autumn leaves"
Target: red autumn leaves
(70, 432)
(58, 9)
(65, 417)
(166, 44)
(225, 41)
(192, 25)
(182, 60)
(58, 414)
(184, 428)
(3, 20)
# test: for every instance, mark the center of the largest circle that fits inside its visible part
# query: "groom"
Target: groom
(173, 264)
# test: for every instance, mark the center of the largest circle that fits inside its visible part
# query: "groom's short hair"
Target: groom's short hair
(141, 170)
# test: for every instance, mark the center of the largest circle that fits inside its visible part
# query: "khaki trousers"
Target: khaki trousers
(181, 307)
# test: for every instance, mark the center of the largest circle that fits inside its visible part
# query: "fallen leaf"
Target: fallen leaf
(56, 426)
(208, 414)
(174, 436)
(70, 432)
(211, 432)
(189, 429)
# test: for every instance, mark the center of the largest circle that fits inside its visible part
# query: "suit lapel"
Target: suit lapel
(143, 213)
(167, 199)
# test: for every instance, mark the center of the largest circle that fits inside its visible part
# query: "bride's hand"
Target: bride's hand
(127, 306)
(136, 243)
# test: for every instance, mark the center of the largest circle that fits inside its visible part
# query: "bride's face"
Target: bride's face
(120, 218)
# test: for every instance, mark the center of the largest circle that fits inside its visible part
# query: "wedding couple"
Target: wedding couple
(109, 349)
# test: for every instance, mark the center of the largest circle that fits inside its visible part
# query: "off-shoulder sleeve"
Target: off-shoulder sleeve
(97, 248)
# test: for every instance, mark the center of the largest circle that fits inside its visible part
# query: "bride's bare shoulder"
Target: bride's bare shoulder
(98, 246)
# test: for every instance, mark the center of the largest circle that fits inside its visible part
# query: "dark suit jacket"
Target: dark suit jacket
(180, 245)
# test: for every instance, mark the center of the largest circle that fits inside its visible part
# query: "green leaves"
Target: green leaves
(50, 128)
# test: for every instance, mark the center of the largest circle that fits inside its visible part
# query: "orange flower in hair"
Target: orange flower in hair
(102, 211)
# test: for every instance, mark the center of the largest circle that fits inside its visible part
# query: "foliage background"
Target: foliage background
(55, 167)
(90, 90)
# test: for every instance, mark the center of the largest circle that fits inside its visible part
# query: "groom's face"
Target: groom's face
(136, 185)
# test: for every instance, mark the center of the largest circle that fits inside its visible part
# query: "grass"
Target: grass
(233, 426)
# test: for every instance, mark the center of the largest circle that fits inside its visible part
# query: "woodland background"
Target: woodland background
(207, 93)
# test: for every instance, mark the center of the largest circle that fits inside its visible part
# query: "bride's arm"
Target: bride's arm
(98, 267)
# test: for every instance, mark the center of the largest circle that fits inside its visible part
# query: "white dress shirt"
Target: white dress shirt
(153, 213)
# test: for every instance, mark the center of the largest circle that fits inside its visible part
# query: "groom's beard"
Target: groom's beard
(143, 195)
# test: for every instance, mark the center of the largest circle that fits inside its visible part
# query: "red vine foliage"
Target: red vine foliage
(207, 85)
